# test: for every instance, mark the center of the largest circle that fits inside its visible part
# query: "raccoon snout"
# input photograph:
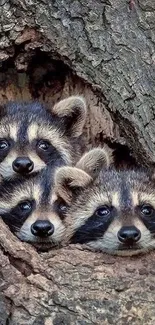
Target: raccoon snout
(129, 235)
(42, 228)
(22, 165)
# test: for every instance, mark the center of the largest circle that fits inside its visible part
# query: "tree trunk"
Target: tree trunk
(103, 49)
(73, 286)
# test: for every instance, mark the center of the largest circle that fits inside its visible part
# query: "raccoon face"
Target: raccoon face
(30, 208)
(114, 213)
(32, 137)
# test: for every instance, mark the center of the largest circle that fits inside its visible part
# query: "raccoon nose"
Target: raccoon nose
(22, 165)
(42, 228)
(129, 235)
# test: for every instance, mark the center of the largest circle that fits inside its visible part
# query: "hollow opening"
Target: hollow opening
(37, 75)
(122, 155)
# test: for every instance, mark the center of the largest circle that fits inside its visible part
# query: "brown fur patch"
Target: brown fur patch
(67, 178)
(67, 107)
(93, 161)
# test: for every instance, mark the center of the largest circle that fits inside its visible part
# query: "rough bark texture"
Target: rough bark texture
(108, 44)
(73, 286)
(104, 50)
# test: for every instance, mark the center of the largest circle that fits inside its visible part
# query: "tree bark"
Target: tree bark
(73, 286)
(108, 44)
(104, 50)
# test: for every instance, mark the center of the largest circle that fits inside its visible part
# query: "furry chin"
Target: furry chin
(121, 251)
(44, 247)
(129, 251)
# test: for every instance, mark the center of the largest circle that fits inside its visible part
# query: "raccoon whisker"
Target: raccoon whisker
(147, 247)
(5, 167)
(145, 238)
(110, 234)
(108, 238)
(152, 245)
(144, 242)
(6, 171)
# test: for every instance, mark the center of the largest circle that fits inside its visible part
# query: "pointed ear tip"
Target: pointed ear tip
(79, 100)
(94, 156)
(67, 105)
(104, 152)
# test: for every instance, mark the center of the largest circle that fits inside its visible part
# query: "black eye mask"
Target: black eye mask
(94, 228)
(5, 146)
(16, 217)
(47, 152)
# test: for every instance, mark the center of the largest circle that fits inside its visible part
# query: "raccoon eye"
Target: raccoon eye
(103, 211)
(147, 210)
(25, 206)
(62, 208)
(43, 145)
(3, 145)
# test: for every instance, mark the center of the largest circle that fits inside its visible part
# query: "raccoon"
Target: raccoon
(33, 137)
(31, 210)
(113, 211)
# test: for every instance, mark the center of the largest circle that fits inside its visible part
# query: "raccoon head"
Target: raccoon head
(71, 182)
(32, 137)
(114, 212)
(30, 209)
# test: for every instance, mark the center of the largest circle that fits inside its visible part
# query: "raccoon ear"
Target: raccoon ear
(93, 161)
(73, 111)
(70, 180)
